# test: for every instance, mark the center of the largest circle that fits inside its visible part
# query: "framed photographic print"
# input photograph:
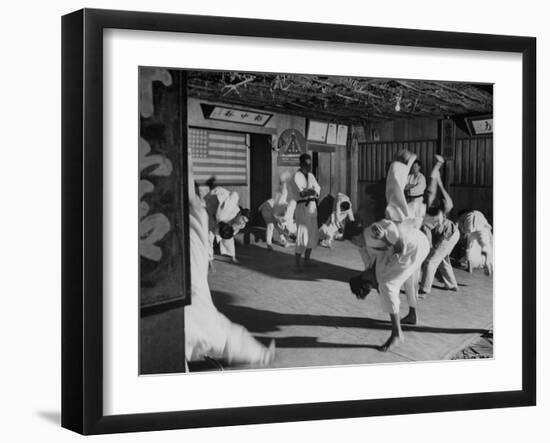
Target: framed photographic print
(252, 238)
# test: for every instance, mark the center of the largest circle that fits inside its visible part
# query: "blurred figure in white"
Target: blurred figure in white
(305, 191)
(278, 214)
(397, 208)
(208, 333)
(225, 220)
(414, 191)
(478, 238)
(333, 228)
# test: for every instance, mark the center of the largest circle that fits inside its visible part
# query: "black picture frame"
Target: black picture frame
(82, 215)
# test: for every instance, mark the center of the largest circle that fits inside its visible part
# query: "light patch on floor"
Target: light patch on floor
(317, 321)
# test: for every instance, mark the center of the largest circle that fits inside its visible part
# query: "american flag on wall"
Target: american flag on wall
(219, 154)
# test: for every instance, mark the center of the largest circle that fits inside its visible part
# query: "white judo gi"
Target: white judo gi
(222, 205)
(278, 214)
(445, 236)
(399, 264)
(397, 261)
(397, 208)
(305, 214)
(207, 331)
(333, 227)
(414, 190)
(478, 235)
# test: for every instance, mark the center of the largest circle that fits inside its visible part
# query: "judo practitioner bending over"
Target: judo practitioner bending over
(225, 220)
(478, 239)
(393, 253)
(278, 214)
(334, 227)
(395, 249)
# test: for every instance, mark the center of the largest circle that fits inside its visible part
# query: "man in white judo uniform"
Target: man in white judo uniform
(225, 220)
(393, 254)
(478, 238)
(305, 191)
(397, 208)
(278, 214)
(393, 251)
(208, 333)
(444, 234)
(414, 191)
(333, 228)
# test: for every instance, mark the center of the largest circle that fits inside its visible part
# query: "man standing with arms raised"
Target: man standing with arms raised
(305, 191)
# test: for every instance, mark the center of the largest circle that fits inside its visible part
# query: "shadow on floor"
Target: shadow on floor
(311, 342)
(281, 265)
(54, 417)
(261, 321)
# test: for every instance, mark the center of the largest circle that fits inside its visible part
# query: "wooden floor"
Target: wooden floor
(316, 321)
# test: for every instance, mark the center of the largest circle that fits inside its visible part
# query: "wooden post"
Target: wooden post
(447, 150)
(354, 169)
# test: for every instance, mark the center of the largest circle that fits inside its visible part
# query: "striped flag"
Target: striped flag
(219, 154)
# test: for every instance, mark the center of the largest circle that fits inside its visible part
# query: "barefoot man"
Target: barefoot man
(305, 190)
(395, 251)
(395, 247)
(443, 232)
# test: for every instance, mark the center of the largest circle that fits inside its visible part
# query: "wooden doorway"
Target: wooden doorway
(260, 174)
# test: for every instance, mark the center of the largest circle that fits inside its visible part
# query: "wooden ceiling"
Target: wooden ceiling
(342, 99)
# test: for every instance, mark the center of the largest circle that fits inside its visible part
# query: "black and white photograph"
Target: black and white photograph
(322, 220)
(275, 222)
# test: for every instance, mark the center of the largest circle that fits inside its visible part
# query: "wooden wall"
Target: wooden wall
(374, 157)
(469, 174)
(332, 171)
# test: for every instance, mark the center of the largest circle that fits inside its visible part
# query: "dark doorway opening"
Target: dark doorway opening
(260, 175)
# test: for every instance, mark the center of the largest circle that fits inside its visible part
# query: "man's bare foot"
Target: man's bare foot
(409, 319)
(235, 261)
(393, 342)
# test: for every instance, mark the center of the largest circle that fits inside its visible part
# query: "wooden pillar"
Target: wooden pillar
(447, 150)
(353, 173)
